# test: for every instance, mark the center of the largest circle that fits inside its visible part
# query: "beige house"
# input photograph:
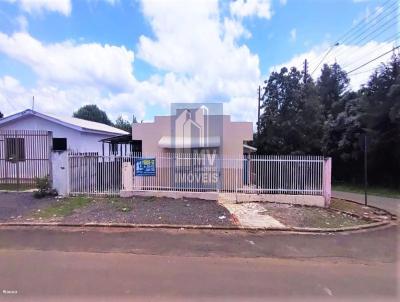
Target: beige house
(192, 131)
(194, 150)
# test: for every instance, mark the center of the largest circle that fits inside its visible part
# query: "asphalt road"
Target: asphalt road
(181, 265)
(389, 204)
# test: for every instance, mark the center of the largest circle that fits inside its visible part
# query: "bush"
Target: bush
(43, 186)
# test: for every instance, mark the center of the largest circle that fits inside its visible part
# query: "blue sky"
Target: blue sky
(136, 57)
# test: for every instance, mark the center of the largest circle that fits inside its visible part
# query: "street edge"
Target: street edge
(199, 227)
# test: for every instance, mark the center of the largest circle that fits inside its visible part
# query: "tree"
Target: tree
(1, 115)
(291, 119)
(92, 113)
(380, 118)
(332, 85)
(302, 117)
(125, 125)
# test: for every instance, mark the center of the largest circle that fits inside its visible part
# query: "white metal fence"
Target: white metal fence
(262, 174)
(24, 156)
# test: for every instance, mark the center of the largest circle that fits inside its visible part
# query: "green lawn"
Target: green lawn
(379, 191)
(62, 208)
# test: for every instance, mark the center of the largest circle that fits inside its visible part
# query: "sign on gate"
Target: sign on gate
(145, 167)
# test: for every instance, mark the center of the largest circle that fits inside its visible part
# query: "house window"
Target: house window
(59, 144)
(15, 149)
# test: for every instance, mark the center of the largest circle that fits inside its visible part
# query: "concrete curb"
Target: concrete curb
(197, 227)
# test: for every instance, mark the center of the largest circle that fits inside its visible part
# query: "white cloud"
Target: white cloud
(70, 63)
(248, 8)
(63, 101)
(200, 51)
(348, 57)
(283, 2)
(196, 50)
(110, 2)
(22, 23)
(38, 6)
(293, 35)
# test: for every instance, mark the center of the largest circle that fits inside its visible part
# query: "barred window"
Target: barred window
(15, 149)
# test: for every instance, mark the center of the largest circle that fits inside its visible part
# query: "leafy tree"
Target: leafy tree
(92, 113)
(1, 115)
(332, 85)
(125, 125)
(380, 119)
(301, 116)
(291, 118)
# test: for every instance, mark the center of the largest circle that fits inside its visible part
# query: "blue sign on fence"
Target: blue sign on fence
(145, 167)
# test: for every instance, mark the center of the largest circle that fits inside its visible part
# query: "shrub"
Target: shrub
(43, 185)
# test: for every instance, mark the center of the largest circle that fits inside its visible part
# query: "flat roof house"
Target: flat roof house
(191, 131)
(192, 149)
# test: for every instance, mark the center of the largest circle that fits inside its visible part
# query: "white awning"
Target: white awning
(250, 148)
(172, 142)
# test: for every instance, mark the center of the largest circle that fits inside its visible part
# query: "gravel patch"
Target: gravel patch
(14, 205)
(311, 217)
(151, 210)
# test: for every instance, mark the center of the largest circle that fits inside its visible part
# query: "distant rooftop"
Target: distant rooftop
(71, 122)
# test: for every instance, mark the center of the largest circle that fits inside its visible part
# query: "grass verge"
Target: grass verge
(62, 208)
(15, 187)
(379, 191)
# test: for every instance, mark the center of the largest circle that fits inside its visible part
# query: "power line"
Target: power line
(379, 46)
(342, 38)
(373, 22)
(370, 61)
(327, 53)
(381, 28)
(345, 37)
(365, 71)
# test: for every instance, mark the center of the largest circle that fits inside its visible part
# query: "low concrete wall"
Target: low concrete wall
(309, 200)
(172, 194)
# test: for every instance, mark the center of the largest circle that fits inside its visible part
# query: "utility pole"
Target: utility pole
(259, 105)
(363, 141)
(305, 70)
(33, 102)
(365, 170)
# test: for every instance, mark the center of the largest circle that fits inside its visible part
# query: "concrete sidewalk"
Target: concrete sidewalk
(389, 204)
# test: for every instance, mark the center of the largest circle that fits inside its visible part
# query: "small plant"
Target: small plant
(43, 186)
(122, 205)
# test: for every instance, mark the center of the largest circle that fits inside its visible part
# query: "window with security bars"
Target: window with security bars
(15, 149)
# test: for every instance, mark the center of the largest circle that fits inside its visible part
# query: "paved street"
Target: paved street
(181, 265)
(389, 204)
(37, 275)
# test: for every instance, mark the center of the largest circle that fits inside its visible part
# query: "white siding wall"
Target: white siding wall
(76, 140)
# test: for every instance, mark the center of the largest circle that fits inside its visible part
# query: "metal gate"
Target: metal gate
(24, 156)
